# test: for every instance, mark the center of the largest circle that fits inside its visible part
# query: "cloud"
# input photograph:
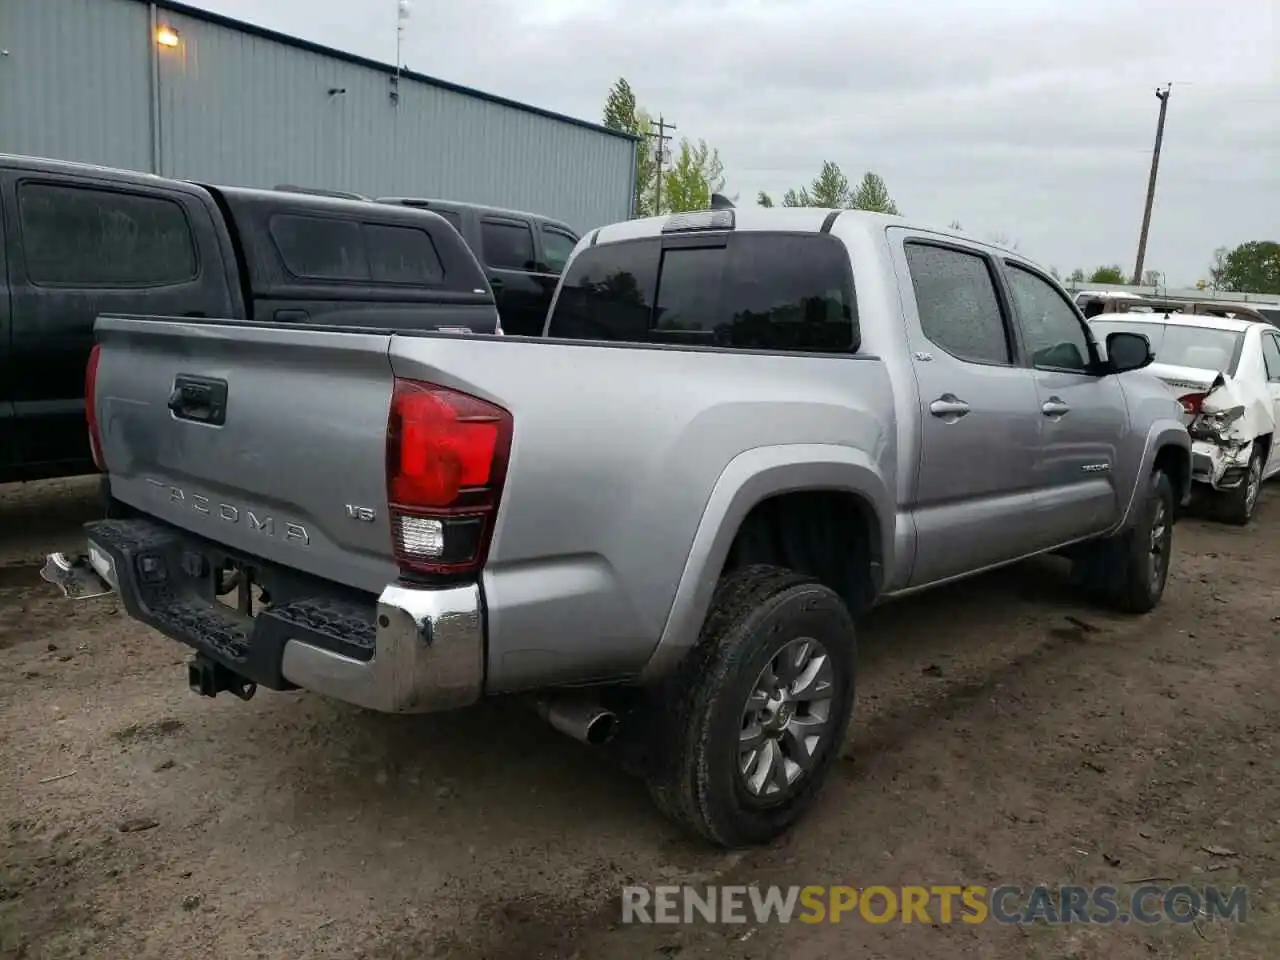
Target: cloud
(1034, 120)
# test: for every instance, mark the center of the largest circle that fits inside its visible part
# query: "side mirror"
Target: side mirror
(1128, 351)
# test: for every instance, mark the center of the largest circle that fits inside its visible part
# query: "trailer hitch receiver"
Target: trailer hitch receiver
(209, 678)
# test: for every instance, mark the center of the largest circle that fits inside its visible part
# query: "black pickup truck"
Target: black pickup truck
(77, 241)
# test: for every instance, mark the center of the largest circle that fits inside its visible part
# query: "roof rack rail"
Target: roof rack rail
(320, 192)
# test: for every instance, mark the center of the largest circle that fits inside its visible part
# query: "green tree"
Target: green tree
(1053, 272)
(830, 188)
(696, 174)
(873, 195)
(1077, 276)
(620, 107)
(1252, 267)
(1110, 274)
(956, 226)
(622, 113)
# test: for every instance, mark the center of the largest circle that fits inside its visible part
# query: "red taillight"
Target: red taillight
(1191, 402)
(91, 407)
(446, 461)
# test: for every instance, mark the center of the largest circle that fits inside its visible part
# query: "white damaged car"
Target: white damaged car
(1226, 374)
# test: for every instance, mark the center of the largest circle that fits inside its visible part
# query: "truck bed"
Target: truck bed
(616, 452)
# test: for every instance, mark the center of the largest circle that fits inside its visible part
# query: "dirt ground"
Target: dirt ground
(1006, 732)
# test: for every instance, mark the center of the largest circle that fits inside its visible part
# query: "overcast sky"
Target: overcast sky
(1031, 119)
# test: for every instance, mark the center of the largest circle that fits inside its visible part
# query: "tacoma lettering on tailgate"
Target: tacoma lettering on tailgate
(230, 513)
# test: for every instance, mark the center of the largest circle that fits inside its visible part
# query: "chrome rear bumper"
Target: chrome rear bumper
(418, 649)
(428, 655)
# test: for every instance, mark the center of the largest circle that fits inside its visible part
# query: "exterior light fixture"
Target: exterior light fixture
(166, 36)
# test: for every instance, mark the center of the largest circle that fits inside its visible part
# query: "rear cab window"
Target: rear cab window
(769, 291)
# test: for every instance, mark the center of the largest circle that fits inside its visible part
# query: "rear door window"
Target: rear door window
(76, 236)
(765, 291)
(957, 303)
(507, 245)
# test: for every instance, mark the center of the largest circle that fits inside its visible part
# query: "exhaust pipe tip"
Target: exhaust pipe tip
(582, 719)
(601, 728)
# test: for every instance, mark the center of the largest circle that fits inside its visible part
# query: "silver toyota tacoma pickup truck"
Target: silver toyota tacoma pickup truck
(741, 429)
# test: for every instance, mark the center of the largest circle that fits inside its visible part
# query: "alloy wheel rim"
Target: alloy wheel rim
(786, 720)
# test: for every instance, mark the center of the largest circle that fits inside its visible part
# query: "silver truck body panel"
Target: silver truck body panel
(592, 538)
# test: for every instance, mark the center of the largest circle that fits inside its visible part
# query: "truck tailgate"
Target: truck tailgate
(294, 473)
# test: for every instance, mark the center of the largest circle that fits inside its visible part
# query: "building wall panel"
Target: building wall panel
(75, 81)
(237, 107)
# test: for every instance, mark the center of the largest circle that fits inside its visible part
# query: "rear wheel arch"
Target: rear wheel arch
(831, 535)
(752, 486)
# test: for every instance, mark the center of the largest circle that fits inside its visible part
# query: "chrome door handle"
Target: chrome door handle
(949, 405)
(1054, 407)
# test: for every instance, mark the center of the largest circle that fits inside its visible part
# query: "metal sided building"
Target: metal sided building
(167, 88)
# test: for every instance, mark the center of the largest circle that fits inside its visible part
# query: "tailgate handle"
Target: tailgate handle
(199, 399)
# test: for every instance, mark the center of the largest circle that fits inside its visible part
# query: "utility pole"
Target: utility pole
(402, 14)
(1163, 97)
(659, 153)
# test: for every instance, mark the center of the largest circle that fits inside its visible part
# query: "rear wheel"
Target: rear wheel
(756, 714)
(1237, 505)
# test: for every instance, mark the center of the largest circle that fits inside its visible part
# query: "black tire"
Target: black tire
(1237, 506)
(694, 776)
(1127, 572)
